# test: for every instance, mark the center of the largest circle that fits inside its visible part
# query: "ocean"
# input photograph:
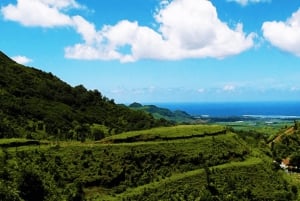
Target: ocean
(229, 109)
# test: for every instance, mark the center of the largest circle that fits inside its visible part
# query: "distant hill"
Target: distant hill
(177, 116)
(37, 104)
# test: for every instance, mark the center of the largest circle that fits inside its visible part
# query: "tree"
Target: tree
(295, 125)
(98, 134)
(77, 193)
(31, 186)
(82, 131)
(8, 193)
(295, 160)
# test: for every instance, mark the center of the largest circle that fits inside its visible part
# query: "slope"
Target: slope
(202, 167)
(39, 105)
(286, 145)
(245, 180)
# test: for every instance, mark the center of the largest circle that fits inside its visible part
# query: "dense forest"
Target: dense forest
(38, 105)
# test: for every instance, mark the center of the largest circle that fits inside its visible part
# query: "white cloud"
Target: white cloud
(143, 42)
(246, 2)
(284, 35)
(62, 4)
(229, 87)
(43, 13)
(187, 29)
(86, 29)
(22, 59)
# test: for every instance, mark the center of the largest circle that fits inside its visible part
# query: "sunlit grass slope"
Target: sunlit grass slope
(168, 133)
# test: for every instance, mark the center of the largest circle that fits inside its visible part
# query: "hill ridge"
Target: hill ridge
(37, 104)
(176, 116)
(4, 57)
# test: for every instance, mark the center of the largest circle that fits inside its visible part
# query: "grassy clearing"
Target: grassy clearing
(167, 133)
(265, 127)
(12, 140)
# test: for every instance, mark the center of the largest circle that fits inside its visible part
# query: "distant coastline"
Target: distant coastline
(282, 110)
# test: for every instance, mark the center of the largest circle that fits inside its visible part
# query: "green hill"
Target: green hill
(36, 104)
(196, 162)
(177, 116)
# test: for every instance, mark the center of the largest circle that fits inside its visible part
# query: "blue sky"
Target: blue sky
(161, 50)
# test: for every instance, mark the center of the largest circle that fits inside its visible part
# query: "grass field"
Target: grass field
(263, 126)
(167, 133)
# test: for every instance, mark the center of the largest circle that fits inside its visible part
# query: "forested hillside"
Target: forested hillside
(158, 112)
(35, 104)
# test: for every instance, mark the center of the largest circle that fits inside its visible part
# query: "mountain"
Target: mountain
(37, 104)
(177, 116)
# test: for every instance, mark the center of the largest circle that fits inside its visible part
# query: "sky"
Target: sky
(154, 51)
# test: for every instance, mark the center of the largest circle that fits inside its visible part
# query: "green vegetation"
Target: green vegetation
(162, 113)
(165, 133)
(38, 105)
(59, 142)
(286, 145)
(232, 181)
(203, 167)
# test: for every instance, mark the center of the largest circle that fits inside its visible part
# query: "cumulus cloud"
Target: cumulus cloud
(86, 29)
(22, 59)
(246, 2)
(187, 29)
(43, 13)
(284, 35)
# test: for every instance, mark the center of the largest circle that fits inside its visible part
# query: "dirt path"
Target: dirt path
(289, 131)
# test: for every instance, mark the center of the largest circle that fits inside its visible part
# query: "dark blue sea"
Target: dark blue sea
(229, 109)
